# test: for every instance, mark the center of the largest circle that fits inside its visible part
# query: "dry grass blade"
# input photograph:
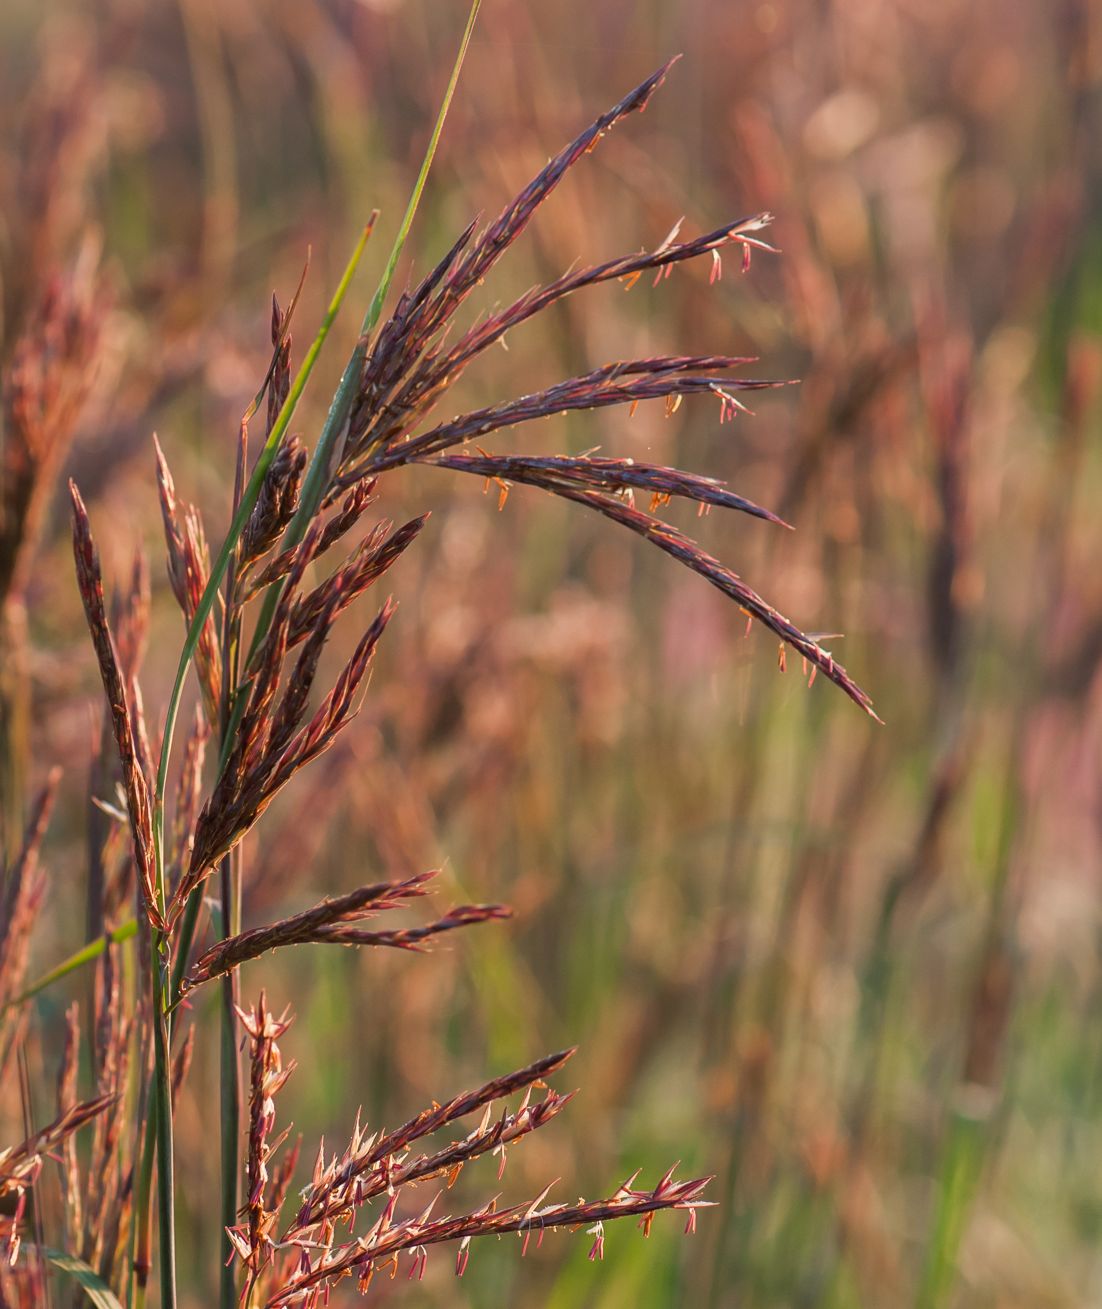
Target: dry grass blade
(16, 1159)
(135, 782)
(21, 1164)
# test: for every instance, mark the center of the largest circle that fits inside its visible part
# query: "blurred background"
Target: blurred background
(855, 971)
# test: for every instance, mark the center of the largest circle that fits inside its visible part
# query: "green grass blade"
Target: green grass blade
(86, 955)
(317, 476)
(376, 308)
(94, 1287)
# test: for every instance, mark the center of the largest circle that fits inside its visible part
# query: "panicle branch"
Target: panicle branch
(420, 318)
(626, 382)
(436, 369)
(687, 552)
(334, 1188)
(253, 1240)
(364, 902)
(391, 1235)
(413, 938)
(612, 476)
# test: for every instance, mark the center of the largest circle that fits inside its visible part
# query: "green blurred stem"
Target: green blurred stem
(140, 1232)
(961, 1165)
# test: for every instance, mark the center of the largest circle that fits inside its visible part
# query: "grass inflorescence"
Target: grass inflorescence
(259, 617)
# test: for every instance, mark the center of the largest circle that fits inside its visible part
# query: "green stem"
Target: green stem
(140, 1259)
(230, 1088)
(161, 1108)
(85, 955)
(230, 1081)
(960, 1170)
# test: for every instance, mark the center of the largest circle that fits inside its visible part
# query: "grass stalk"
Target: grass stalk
(312, 493)
(230, 1084)
(961, 1166)
(161, 1106)
(140, 1230)
(230, 1071)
